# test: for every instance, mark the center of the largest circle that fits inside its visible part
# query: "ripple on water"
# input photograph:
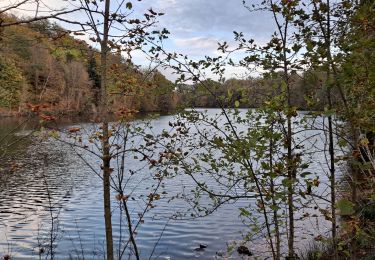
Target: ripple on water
(76, 195)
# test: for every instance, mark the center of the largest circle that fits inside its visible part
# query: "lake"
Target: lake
(44, 179)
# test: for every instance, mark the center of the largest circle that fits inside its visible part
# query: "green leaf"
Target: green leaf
(129, 5)
(304, 174)
(236, 103)
(54, 134)
(346, 207)
(244, 212)
(230, 93)
(286, 182)
(342, 143)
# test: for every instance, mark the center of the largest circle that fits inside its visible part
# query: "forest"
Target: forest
(116, 143)
(42, 63)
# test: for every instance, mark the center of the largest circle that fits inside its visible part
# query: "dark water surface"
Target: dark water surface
(48, 174)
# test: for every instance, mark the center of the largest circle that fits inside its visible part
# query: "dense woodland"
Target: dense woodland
(42, 63)
(255, 91)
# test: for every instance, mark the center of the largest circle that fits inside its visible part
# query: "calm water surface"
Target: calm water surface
(40, 174)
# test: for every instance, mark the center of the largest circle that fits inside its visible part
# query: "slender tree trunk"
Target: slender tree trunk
(355, 135)
(106, 192)
(276, 220)
(291, 178)
(274, 203)
(130, 229)
(330, 134)
(332, 175)
(291, 171)
(105, 136)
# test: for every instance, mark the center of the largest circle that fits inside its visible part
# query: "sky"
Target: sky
(196, 26)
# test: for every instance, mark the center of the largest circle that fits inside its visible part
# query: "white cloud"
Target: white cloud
(197, 45)
(164, 4)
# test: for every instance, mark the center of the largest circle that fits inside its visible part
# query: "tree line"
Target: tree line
(42, 63)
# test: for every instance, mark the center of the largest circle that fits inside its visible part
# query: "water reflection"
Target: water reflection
(76, 196)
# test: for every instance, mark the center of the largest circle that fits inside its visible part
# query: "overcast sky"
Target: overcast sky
(196, 25)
